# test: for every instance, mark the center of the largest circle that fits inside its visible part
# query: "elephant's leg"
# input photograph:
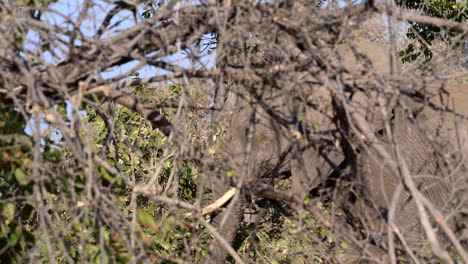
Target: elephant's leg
(217, 252)
(311, 168)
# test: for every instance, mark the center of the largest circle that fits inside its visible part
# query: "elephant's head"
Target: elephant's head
(298, 130)
(292, 130)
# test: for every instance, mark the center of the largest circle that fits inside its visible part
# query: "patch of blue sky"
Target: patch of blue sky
(65, 13)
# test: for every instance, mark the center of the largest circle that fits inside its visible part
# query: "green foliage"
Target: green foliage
(424, 33)
(280, 239)
(175, 89)
(16, 217)
(150, 8)
(130, 146)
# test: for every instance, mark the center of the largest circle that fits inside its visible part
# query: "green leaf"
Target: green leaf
(62, 109)
(125, 257)
(306, 198)
(72, 251)
(15, 235)
(344, 245)
(106, 175)
(175, 89)
(92, 251)
(20, 176)
(8, 212)
(259, 138)
(146, 220)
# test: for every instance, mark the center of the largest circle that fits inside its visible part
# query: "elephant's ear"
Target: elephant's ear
(437, 189)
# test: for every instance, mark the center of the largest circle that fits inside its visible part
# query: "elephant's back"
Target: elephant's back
(379, 56)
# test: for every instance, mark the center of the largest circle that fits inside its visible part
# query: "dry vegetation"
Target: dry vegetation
(135, 160)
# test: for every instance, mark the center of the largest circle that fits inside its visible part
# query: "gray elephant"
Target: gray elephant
(271, 135)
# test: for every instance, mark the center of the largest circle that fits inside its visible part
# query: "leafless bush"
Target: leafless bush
(326, 156)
